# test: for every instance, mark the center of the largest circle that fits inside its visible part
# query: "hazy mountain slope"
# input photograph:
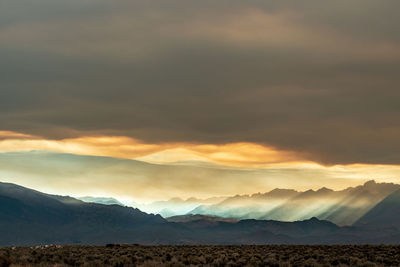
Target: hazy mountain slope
(246, 206)
(71, 208)
(385, 214)
(341, 207)
(30, 217)
(101, 200)
(176, 206)
(22, 204)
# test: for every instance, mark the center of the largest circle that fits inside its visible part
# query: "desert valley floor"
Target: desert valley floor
(135, 255)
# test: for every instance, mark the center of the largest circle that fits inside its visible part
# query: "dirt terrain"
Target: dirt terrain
(135, 255)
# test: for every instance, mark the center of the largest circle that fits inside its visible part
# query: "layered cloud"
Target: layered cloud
(234, 154)
(229, 81)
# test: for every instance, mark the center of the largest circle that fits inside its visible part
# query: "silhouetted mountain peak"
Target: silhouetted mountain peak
(278, 192)
(324, 190)
(369, 183)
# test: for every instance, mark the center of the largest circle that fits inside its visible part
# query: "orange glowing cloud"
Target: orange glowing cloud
(236, 154)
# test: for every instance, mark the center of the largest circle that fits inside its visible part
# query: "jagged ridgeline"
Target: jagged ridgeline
(343, 207)
(29, 217)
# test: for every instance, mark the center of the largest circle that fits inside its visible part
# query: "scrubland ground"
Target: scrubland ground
(135, 255)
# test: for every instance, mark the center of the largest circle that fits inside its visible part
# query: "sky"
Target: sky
(241, 84)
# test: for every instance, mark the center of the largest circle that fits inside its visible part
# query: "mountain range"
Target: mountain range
(140, 181)
(29, 217)
(342, 207)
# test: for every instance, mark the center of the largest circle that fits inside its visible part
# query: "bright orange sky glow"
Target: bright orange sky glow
(235, 154)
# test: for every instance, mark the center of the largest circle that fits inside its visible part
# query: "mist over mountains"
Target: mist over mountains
(280, 216)
(101, 200)
(29, 217)
(343, 207)
(176, 206)
(121, 179)
(385, 214)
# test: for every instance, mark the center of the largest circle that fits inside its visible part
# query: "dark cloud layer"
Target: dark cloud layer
(321, 78)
